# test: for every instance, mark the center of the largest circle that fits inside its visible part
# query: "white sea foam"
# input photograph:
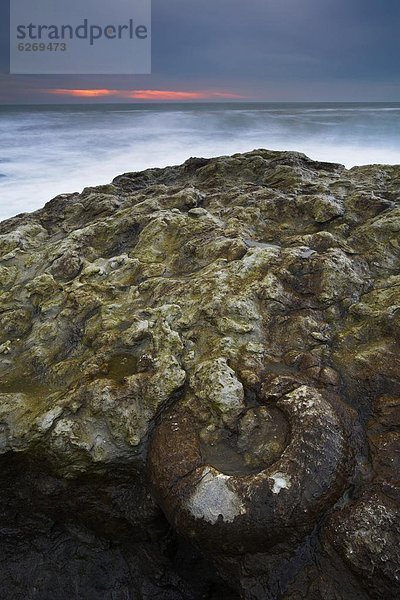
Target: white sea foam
(45, 152)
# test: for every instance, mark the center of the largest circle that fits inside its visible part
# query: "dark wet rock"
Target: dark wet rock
(199, 385)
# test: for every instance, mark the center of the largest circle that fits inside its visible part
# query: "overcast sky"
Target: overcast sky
(278, 50)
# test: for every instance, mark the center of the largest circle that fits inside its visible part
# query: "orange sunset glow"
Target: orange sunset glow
(144, 94)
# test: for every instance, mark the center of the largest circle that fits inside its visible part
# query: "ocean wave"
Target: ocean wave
(48, 152)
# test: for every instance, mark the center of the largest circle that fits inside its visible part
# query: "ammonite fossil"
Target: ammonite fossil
(273, 495)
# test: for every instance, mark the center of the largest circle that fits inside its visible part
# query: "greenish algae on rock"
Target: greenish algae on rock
(223, 294)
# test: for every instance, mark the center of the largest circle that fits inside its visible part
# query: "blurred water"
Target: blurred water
(45, 151)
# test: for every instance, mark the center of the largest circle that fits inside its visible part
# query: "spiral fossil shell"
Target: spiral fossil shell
(235, 513)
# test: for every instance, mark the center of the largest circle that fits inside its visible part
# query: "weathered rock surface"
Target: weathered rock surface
(216, 343)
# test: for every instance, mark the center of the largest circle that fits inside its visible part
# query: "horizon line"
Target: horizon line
(198, 101)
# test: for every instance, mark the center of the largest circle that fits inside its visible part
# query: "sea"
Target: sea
(54, 149)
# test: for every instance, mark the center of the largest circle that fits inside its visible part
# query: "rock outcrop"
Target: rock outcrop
(200, 385)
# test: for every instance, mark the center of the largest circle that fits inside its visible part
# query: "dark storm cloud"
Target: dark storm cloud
(284, 38)
(264, 49)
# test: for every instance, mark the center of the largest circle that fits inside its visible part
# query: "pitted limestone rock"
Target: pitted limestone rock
(218, 287)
